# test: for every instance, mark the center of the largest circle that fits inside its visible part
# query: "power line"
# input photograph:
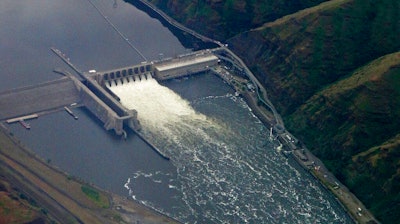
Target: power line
(117, 30)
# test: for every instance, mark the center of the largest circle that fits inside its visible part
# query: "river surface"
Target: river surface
(223, 168)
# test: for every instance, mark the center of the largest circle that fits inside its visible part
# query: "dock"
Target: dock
(69, 111)
(25, 124)
(22, 118)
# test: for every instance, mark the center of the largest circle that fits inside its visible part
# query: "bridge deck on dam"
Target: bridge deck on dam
(184, 65)
(38, 98)
(164, 69)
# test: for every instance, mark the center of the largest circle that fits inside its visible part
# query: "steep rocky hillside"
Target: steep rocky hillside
(221, 19)
(325, 72)
(353, 126)
(300, 54)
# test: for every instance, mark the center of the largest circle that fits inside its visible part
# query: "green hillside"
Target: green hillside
(353, 126)
(221, 19)
(326, 71)
(298, 55)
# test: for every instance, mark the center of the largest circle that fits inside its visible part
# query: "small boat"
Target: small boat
(25, 124)
(71, 113)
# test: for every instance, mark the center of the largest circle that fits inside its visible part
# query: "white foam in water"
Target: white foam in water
(156, 105)
(226, 172)
(126, 185)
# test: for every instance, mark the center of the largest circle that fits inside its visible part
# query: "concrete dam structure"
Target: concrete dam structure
(100, 102)
(105, 107)
(170, 68)
(91, 89)
(161, 70)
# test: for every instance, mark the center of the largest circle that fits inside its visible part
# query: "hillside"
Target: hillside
(221, 19)
(360, 140)
(332, 71)
(315, 65)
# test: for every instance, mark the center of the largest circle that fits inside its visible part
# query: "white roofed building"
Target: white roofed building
(184, 65)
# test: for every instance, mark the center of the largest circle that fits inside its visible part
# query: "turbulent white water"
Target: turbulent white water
(160, 110)
(227, 170)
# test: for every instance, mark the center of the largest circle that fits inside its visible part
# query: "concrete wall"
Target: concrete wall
(125, 74)
(105, 105)
(106, 108)
(63, 92)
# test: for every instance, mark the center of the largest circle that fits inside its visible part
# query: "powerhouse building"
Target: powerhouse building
(186, 65)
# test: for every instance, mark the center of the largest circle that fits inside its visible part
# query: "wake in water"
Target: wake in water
(227, 171)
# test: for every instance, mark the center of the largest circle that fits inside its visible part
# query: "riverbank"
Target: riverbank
(62, 197)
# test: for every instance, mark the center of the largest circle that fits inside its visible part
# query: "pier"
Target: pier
(69, 111)
(27, 117)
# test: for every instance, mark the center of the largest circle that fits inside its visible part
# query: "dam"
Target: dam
(92, 89)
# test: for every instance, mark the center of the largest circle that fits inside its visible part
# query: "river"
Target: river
(223, 168)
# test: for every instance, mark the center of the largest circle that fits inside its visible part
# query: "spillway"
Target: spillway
(166, 117)
(227, 170)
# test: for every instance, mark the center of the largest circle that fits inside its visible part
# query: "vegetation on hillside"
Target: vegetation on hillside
(301, 55)
(360, 140)
(221, 19)
(315, 65)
